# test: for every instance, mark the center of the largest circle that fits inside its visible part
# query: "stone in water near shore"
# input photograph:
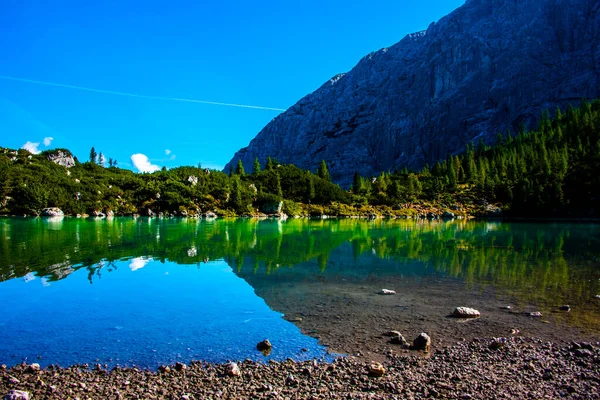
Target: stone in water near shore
(466, 312)
(17, 395)
(180, 366)
(422, 342)
(535, 314)
(387, 292)
(564, 308)
(265, 345)
(52, 212)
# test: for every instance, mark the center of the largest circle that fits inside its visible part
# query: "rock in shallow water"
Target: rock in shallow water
(386, 292)
(52, 212)
(466, 312)
(265, 345)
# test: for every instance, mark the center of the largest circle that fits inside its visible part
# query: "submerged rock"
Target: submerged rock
(265, 345)
(466, 312)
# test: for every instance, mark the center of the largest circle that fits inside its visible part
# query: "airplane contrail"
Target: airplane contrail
(142, 96)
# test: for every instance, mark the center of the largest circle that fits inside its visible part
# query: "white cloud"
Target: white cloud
(31, 147)
(138, 263)
(167, 151)
(48, 140)
(143, 164)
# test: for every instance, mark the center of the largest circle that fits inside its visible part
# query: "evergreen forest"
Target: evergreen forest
(551, 171)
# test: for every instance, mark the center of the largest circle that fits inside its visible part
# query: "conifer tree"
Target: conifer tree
(270, 165)
(256, 166)
(310, 195)
(323, 172)
(93, 155)
(239, 169)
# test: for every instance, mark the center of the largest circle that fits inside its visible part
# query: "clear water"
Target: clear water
(147, 292)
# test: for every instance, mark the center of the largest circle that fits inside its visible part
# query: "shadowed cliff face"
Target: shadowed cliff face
(490, 66)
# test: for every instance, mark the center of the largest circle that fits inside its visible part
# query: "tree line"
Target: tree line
(552, 170)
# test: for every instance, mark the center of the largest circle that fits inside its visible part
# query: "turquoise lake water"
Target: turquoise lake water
(147, 292)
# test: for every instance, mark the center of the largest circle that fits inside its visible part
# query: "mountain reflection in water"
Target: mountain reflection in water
(536, 263)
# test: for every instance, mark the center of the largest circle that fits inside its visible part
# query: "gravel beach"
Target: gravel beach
(477, 369)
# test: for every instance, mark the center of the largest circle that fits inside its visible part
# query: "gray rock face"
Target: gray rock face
(488, 67)
(52, 212)
(62, 157)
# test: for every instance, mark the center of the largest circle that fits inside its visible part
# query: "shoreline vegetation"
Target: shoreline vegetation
(551, 172)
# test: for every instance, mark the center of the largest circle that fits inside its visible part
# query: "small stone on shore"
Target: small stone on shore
(398, 338)
(376, 370)
(535, 314)
(17, 395)
(387, 292)
(466, 312)
(565, 308)
(232, 369)
(35, 367)
(422, 342)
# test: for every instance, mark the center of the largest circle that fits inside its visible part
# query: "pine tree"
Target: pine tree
(323, 172)
(93, 155)
(256, 166)
(270, 165)
(278, 188)
(310, 195)
(239, 169)
(101, 159)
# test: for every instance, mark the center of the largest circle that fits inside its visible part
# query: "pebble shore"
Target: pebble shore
(479, 369)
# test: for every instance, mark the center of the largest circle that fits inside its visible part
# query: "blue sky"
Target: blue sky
(263, 53)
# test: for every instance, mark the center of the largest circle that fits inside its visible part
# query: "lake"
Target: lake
(147, 292)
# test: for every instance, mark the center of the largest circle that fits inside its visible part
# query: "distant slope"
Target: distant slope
(487, 67)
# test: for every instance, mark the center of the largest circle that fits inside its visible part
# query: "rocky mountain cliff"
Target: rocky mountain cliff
(489, 66)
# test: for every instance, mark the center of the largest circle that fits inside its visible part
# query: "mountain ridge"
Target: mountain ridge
(488, 67)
